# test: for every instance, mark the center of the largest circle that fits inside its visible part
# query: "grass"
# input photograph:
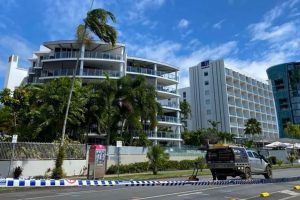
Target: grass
(160, 175)
(286, 166)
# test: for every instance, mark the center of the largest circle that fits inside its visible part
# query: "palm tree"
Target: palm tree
(214, 124)
(156, 156)
(96, 22)
(226, 137)
(252, 127)
(185, 112)
(145, 103)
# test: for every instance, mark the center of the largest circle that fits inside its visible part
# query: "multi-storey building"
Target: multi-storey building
(285, 80)
(58, 59)
(185, 95)
(230, 97)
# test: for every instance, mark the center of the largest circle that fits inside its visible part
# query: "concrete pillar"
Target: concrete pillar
(82, 51)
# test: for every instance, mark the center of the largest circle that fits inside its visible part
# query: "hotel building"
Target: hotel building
(230, 97)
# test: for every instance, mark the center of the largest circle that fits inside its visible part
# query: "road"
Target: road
(280, 191)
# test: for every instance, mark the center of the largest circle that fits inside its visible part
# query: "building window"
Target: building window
(184, 94)
(205, 73)
(283, 104)
(208, 111)
(207, 101)
(279, 85)
(206, 83)
(206, 92)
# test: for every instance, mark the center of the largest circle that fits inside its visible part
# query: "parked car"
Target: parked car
(224, 160)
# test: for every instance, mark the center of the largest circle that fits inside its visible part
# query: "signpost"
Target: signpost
(13, 141)
(119, 145)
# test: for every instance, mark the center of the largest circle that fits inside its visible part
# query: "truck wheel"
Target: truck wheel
(222, 177)
(268, 173)
(247, 174)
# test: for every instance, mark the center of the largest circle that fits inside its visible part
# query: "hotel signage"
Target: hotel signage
(204, 64)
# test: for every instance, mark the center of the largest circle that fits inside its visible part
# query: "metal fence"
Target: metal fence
(39, 151)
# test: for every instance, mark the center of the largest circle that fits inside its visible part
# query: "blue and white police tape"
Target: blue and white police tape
(69, 182)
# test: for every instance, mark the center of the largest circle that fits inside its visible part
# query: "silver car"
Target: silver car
(259, 165)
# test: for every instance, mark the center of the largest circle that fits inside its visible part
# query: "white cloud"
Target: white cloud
(170, 52)
(145, 4)
(183, 23)
(14, 45)
(62, 17)
(268, 30)
(264, 31)
(218, 25)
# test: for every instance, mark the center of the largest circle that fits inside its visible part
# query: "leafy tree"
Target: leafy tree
(157, 157)
(292, 130)
(252, 127)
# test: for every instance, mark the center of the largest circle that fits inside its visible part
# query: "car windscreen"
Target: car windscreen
(220, 155)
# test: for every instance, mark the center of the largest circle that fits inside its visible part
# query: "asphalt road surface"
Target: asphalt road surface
(279, 191)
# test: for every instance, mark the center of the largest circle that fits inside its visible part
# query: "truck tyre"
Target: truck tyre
(268, 173)
(222, 177)
(247, 174)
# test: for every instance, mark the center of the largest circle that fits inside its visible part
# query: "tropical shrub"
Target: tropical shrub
(18, 172)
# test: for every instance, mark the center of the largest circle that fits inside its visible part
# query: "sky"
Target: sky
(250, 35)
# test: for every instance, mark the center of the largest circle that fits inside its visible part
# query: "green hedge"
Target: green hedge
(144, 166)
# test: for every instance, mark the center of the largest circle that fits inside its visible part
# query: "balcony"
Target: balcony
(166, 89)
(171, 119)
(31, 70)
(152, 72)
(158, 135)
(96, 55)
(169, 104)
(86, 72)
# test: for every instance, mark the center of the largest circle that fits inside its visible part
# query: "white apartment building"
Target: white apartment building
(230, 97)
(15, 75)
(185, 95)
(58, 58)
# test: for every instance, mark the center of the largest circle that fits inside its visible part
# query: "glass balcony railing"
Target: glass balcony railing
(86, 72)
(31, 70)
(152, 72)
(158, 134)
(99, 55)
(164, 118)
(166, 89)
(100, 72)
(169, 104)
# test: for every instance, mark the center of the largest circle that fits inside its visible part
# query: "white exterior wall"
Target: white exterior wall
(208, 101)
(229, 99)
(187, 98)
(14, 75)
(39, 167)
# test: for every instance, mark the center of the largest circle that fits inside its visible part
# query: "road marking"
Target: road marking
(71, 193)
(290, 197)
(289, 192)
(182, 195)
(173, 194)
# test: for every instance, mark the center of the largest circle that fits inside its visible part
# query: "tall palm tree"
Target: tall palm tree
(185, 112)
(252, 127)
(96, 22)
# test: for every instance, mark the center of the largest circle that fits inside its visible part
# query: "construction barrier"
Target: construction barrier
(69, 182)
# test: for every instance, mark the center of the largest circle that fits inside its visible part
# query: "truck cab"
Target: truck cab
(225, 160)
